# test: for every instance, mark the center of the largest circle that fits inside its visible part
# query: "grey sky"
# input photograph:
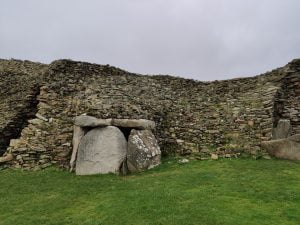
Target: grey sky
(200, 39)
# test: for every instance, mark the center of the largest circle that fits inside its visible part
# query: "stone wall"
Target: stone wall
(19, 87)
(287, 104)
(225, 117)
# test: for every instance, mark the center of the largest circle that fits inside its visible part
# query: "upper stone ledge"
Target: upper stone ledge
(68, 66)
(90, 121)
(22, 66)
(294, 65)
(295, 61)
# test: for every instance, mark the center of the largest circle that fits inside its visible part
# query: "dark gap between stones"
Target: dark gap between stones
(126, 131)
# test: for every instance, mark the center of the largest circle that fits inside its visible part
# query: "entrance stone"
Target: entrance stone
(102, 150)
(143, 151)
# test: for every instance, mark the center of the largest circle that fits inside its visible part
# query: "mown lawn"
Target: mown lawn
(239, 191)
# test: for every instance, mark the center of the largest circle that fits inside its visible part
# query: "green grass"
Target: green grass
(240, 191)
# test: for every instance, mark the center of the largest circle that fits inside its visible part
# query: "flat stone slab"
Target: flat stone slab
(90, 121)
(101, 150)
(140, 124)
(143, 151)
(286, 148)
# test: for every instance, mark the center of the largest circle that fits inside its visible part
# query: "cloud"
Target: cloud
(200, 39)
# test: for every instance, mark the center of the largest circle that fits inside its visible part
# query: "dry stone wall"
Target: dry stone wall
(287, 103)
(223, 117)
(19, 87)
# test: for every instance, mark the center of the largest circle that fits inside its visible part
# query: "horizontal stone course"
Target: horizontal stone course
(207, 117)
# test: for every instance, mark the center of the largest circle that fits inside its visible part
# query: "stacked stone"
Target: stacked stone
(223, 117)
(19, 86)
(288, 99)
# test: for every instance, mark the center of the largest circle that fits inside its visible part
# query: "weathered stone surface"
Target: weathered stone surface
(141, 124)
(101, 150)
(183, 161)
(41, 117)
(214, 156)
(19, 82)
(14, 142)
(143, 151)
(286, 148)
(189, 115)
(77, 135)
(90, 121)
(6, 158)
(283, 129)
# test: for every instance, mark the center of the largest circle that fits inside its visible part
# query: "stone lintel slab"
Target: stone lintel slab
(90, 121)
(140, 124)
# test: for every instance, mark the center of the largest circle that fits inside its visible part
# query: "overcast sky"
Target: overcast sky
(199, 39)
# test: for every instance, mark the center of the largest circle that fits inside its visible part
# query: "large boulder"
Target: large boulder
(286, 148)
(282, 130)
(143, 151)
(102, 150)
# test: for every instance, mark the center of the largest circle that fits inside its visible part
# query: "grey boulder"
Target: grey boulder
(143, 151)
(102, 150)
(282, 130)
(286, 148)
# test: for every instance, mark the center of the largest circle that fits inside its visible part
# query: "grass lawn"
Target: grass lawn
(239, 191)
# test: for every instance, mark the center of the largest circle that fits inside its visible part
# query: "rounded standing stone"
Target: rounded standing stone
(102, 150)
(143, 151)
